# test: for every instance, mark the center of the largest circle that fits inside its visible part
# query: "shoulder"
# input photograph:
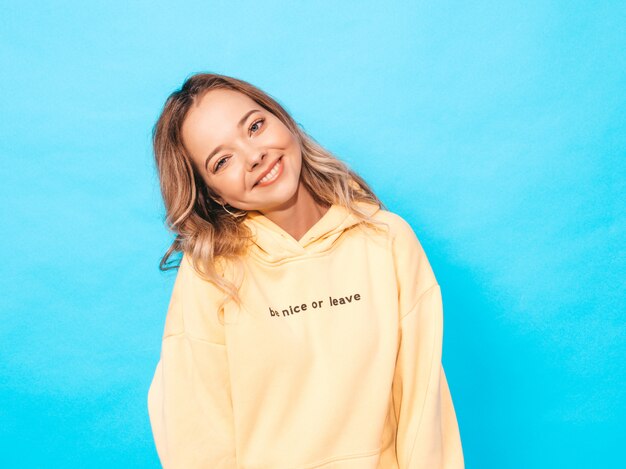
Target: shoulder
(394, 220)
(187, 276)
(400, 230)
(193, 304)
(413, 270)
(191, 271)
(402, 242)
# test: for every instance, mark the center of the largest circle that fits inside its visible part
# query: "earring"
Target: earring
(224, 207)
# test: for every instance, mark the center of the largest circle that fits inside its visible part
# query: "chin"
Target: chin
(281, 199)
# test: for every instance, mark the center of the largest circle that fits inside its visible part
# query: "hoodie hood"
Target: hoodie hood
(272, 244)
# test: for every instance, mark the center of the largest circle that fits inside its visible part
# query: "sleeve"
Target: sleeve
(189, 399)
(427, 434)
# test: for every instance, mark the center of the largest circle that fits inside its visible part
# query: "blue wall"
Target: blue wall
(497, 129)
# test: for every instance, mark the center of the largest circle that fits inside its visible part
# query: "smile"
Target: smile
(270, 177)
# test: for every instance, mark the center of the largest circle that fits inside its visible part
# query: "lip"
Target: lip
(267, 171)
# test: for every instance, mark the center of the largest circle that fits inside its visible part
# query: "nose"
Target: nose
(254, 158)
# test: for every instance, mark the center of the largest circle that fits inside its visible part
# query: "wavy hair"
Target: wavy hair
(203, 230)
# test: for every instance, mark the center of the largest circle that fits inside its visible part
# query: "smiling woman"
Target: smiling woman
(348, 374)
(247, 148)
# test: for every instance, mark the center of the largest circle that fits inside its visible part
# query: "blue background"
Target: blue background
(496, 128)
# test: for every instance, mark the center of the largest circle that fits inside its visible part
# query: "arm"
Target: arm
(427, 435)
(189, 401)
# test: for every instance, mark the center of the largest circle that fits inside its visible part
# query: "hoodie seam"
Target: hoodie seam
(334, 459)
(423, 404)
(191, 337)
(417, 302)
(302, 257)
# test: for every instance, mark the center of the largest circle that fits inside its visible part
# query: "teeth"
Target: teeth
(271, 174)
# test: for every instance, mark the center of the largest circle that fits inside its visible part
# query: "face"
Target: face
(244, 153)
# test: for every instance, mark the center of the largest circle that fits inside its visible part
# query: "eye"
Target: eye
(218, 165)
(257, 122)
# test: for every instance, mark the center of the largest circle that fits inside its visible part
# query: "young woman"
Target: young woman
(305, 324)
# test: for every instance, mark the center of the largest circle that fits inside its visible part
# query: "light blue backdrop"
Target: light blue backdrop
(496, 128)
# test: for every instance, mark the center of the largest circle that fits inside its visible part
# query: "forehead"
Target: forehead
(213, 118)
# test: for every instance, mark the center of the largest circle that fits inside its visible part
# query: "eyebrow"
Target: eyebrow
(220, 147)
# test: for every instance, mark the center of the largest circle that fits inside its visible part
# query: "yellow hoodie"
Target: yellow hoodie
(333, 361)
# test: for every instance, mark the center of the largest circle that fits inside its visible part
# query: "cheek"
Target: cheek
(283, 137)
(292, 139)
(211, 189)
(231, 179)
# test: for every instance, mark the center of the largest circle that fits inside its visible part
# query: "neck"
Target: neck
(298, 215)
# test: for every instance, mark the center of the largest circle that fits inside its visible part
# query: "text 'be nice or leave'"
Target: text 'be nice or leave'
(332, 302)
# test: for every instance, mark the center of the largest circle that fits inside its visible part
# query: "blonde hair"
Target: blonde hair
(204, 230)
